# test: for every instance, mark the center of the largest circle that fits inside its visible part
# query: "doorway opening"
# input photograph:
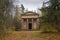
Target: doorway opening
(30, 26)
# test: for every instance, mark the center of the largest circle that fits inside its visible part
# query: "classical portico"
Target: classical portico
(30, 21)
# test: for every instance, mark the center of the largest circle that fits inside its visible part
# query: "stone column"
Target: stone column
(37, 23)
(27, 25)
(22, 25)
(32, 24)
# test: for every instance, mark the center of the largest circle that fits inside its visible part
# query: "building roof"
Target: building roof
(30, 13)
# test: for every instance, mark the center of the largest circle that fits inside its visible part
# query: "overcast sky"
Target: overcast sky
(30, 4)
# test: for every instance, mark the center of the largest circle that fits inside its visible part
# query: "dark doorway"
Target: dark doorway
(30, 26)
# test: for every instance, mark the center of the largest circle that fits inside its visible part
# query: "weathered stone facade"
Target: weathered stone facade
(29, 21)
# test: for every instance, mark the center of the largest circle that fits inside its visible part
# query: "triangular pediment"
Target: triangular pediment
(30, 13)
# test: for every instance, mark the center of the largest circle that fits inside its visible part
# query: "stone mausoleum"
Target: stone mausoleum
(30, 21)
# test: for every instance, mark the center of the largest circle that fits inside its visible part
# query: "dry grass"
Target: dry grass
(32, 35)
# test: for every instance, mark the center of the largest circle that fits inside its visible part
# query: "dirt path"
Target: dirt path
(30, 36)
